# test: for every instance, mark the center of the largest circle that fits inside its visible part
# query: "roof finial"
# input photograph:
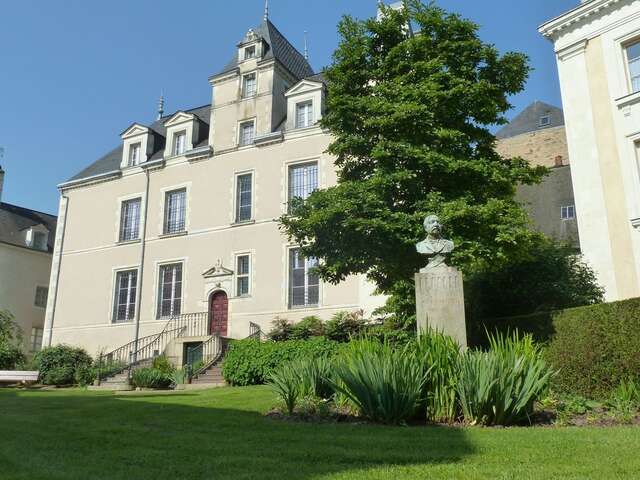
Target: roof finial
(161, 106)
(266, 10)
(306, 46)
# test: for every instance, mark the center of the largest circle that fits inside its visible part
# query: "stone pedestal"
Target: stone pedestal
(440, 302)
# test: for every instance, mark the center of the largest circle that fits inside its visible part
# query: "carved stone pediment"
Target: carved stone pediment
(217, 271)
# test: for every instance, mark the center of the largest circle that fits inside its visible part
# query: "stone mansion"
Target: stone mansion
(181, 219)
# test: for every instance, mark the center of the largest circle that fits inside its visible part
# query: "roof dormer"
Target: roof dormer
(139, 144)
(37, 238)
(251, 47)
(185, 131)
(305, 103)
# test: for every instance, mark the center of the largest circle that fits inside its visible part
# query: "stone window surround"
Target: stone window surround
(287, 269)
(234, 210)
(113, 291)
(244, 76)
(254, 120)
(156, 285)
(236, 255)
(161, 214)
(118, 215)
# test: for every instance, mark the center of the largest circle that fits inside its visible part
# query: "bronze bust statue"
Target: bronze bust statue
(434, 246)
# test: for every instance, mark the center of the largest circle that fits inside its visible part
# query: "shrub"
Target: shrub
(280, 330)
(10, 332)
(162, 363)
(306, 328)
(625, 399)
(441, 354)
(500, 387)
(11, 356)
(85, 375)
(58, 365)
(249, 362)
(596, 348)
(286, 383)
(150, 378)
(384, 384)
(344, 325)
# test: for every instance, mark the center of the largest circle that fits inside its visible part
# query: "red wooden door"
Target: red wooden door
(219, 313)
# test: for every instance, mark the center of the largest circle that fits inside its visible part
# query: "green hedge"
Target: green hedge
(62, 364)
(596, 347)
(248, 362)
(539, 325)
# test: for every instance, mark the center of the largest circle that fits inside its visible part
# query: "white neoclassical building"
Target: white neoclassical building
(597, 46)
(176, 229)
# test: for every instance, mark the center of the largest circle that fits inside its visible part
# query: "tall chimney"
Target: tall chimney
(1, 181)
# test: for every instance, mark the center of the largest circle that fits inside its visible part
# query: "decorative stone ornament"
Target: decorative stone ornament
(439, 287)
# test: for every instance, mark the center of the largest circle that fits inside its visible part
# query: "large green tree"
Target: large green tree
(411, 116)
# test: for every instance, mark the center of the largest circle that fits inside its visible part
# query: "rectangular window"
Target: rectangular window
(633, 59)
(544, 121)
(175, 208)
(304, 114)
(42, 293)
(568, 212)
(134, 154)
(40, 240)
(242, 275)
(249, 52)
(247, 133)
(179, 143)
(303, 180)
(130, 220)
(124, 305)
(36, 339)
(170, 290)
(243, 197)
(249, 85)
(304, 283)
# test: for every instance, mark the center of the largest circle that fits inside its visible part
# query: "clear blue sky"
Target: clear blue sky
(76, 73)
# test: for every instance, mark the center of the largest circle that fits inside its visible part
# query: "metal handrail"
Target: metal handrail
(211, 351)
(255, 332)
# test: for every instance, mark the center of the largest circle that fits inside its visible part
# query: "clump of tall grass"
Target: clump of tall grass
(315, 377)
(383, 384)
(286, 382)
(441, 355)
(500, 386)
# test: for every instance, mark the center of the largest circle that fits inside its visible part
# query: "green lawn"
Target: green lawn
(219, 434)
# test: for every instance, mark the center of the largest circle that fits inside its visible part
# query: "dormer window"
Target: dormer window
(179, 142)
(247, 133)
(134, 154)
(545, 121)
(249, 85)
(37, 240)
(304, 114)
(250, 52)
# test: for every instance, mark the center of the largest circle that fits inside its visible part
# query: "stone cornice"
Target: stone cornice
(553, 27)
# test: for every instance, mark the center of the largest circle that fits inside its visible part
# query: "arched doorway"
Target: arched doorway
(218, 313)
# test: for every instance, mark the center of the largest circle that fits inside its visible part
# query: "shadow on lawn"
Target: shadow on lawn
(191, 436)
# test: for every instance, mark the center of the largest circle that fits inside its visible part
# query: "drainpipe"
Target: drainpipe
(55, 290)
(141, 271)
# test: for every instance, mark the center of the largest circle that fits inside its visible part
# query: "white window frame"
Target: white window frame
(241, 140)
(237, 197)
(544, 121)
(290, 184)
(246, 93)
(35, 342)
(250, 48)
(239, 276)
(131, 303)
(307, 267)
(179, 142)
(167, 212)
(308, 117)
(568, 212)
(37, 297)
(627, 62)
(44, 246)
(173, 298)
(135, 151)
(137, 222)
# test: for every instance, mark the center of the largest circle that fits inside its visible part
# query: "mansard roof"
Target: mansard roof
(111, 161)
(14, 220)
(529, 120)
(278, 48)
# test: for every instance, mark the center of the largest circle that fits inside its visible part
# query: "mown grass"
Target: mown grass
(220, 434)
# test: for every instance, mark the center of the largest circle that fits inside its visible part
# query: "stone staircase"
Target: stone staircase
(211, 376)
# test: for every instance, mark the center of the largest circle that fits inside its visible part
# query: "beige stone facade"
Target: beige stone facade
(597, 47)
(243, 160)
(546, 147)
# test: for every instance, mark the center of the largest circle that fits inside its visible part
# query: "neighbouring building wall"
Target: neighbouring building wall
(602, 115)
(540, 147)
(22, 272)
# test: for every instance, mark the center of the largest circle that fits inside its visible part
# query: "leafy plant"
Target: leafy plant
(58, 364)
(500, 387)
(625, 399)
(163, 364)
(280, 329)
(150, 378)
(179, 376)
(345, 325)
(307, 327)
(10, 331)
(11, 356)
(384, 384)
(441, 354)
(286, 383)
(316, 374)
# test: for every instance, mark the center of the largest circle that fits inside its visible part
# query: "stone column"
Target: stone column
(440, 302)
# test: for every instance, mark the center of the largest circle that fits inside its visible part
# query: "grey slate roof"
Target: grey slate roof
(111, 161)
(279, 48)
(529, 120)
(14, 220)
(317, 77)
